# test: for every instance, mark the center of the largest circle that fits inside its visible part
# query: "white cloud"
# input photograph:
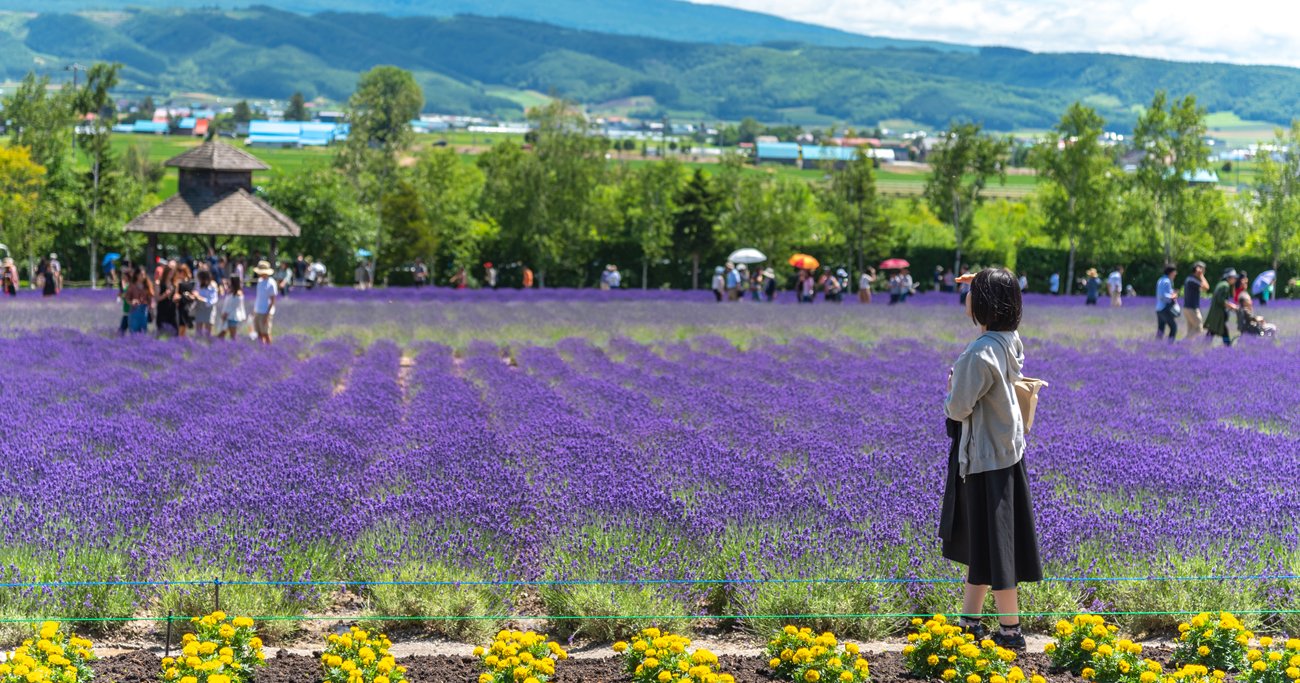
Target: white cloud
(1241, 31)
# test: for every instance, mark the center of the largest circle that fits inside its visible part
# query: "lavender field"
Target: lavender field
(585, 438)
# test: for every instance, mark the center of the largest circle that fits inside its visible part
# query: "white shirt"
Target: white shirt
(233, 308)
(865, 281)
(1115, 281)
(266, 290)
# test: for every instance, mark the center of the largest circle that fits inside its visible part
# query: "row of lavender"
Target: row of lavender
(690, 460)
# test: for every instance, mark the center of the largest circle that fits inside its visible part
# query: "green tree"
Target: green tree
(380, 113)
(1171, 136)
(649, 209)
(43, 121)
(240, 113)
(106, 195)
(297, 109)
(696, 220)
(850, 198)
(1277, 191)
(451, 192)
(774, 216)
(328, 209)
(1078, 190)
(960, 168)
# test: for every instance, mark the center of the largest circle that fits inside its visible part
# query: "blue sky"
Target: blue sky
(1238, 31)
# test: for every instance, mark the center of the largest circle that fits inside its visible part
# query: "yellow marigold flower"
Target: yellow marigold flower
(1037, 679)
(1203, 650)
(1088, 645)
(664, 677)
(1089, 673)
(1259, 666)
(1105, 650)
(1275, 656)
(973, 678)
(846, 677)
(774, 663)
(1049, 648)
(1293, 672)
(932, 660)
(1147, 677)
(812, 675)
(949, 674)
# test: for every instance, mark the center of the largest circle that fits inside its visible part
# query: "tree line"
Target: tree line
(560, 206)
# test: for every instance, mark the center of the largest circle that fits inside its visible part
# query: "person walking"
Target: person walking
(264, 303)
(1092, 287)
(1216, 320)
(769, 285)
(907, 286)
(1193, 287)
(140, 298)
(719, 283)
(205, 304)
(55, 276)
(186, 297)
(865, 281)
(490, 275)
(987, 519)
(420, 273)
(166, 314)
(733, 282)
(1115, 285)
(233, 313)
(300, 271)
(9, 277)
(1167, 304)
(362, 276)
(831, 287)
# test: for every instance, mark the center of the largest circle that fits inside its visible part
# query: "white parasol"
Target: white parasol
(749, 256)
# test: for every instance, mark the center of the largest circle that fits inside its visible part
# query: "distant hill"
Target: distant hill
(671, 19)
(483, 65)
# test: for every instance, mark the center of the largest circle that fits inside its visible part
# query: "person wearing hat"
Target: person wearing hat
(490, 275)
(1092, 287)
(264, 304)
(1193, 287)
(769, 285)
(9, 277)
(55, 278)
(719, 282)
(1216, 321)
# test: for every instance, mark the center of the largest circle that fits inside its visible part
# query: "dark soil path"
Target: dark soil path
(142, 667)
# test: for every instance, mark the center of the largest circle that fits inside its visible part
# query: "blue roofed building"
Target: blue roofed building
(294, 133)
(805, 156)
(151, 127)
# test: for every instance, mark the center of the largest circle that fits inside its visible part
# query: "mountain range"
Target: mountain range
(497, 65)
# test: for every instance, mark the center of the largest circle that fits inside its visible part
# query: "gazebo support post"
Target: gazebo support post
(151, 252)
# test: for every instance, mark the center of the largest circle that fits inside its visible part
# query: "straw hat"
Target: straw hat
(264, 268)
(1092, 272)
(8, 261)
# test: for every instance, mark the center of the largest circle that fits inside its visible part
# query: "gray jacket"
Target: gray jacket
(983, 398)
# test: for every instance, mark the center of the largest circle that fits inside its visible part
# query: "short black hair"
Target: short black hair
(1170, 269)
(995, 299)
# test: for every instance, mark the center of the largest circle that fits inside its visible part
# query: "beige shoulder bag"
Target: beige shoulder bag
(1027, 389)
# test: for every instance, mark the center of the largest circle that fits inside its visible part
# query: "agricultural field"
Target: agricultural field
(600, 462)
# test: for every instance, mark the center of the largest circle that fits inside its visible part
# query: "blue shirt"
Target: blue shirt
(1164, 293)
(733, 279)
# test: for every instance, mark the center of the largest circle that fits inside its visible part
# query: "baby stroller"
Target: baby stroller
(1251, 325)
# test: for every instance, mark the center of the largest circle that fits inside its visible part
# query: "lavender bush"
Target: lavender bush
(437, 437)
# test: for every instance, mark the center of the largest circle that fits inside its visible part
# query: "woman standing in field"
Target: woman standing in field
(205, 307)
(166, 313)
(987, 522)
(139, 296)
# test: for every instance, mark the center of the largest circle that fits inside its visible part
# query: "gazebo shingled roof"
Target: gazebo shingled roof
(201, 211)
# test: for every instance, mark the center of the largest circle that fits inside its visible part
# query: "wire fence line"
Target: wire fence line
(1260, 578)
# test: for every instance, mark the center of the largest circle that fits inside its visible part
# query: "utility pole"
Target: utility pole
(74, 68)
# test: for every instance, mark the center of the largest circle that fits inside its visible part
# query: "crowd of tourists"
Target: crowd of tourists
(1233, 296)
(206, 297)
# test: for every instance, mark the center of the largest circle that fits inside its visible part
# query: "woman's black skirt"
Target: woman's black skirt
(987, 523)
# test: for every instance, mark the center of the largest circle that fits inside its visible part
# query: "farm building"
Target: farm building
(812, 156)
(295, 133)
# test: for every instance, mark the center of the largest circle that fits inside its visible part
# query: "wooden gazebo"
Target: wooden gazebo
(215, 199)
